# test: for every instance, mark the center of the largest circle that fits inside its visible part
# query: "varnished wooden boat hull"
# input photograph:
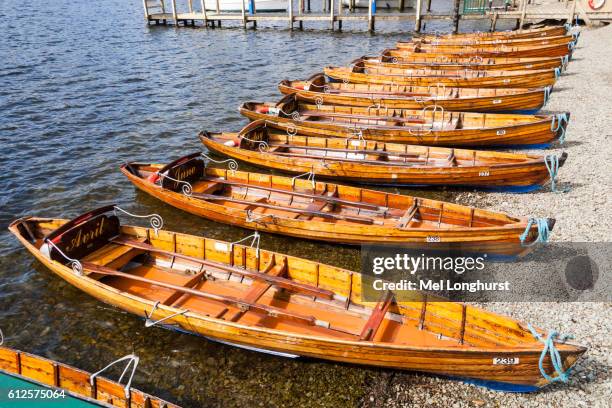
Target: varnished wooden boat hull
(490, 50)
(480, 100)
(427, 354)
(546, 31)
(463, 79)
(478, 64)
(496, 129)
(500, 42)
(506, 175)
(74, 382)
(500, 240)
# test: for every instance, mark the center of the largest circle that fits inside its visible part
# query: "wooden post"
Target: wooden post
(291, 14)
(494, 21)
(331, 13)
(174, 17)
(570, 18)
(146, 10)
(308, 3)
(218, 7)
(428, 5)
(370, 16)
(203, 5)
(300, 12)
(340, 7)
(417, 21)
(456, 16)
(523, 13)
(190, 6)
(401, 5)
(351, 5)
(243, 11)
(163, 6)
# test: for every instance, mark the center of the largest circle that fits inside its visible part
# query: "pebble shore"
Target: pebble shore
(583, 215)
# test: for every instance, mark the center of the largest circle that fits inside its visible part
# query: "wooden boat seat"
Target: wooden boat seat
(409, 215)
(206, 187)
(113, 255)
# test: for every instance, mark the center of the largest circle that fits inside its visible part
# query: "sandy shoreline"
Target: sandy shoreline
(582, 216)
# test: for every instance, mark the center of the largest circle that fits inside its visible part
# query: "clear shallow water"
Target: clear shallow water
(86, 86)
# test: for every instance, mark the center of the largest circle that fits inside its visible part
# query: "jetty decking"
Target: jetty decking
(190, 12)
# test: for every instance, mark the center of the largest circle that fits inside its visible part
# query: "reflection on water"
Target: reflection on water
(86, 86)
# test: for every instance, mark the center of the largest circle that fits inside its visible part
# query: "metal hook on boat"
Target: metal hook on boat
(157, 222)
(186, 188)
(292, 130)
(310, 176)
(132, 360)
(231, 163)
(250, 218)
(255, 241)
(151, 323)
(76, 266)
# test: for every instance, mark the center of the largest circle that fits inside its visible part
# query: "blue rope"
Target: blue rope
(546, 94)
(565, 62)
(552, 165)
(555, 357)
(559, 120)
(543, 231)
(557, 72)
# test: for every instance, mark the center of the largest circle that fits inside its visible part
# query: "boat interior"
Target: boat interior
(391, 54)
(256, 288)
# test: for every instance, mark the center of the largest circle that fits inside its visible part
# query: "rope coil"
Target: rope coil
(555, 357)
(560, 120)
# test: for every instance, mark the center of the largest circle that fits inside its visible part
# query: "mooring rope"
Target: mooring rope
(555, 357)
(559, 120)
(543, 231)
(546, 95)
(552, 165)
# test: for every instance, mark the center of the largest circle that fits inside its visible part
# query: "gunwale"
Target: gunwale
(455, 129)
(441, 360)
(413, 97)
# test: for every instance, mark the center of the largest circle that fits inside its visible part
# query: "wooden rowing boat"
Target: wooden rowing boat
(428, 126)
(466, 78)
(546, 31)
(475, 41)
(317, 89)
(489, 50)
(322, 211)
(275, 303)
(58, 384)
(372, 162)
(432, 61)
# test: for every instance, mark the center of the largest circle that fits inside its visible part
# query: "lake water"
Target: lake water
(86, 86)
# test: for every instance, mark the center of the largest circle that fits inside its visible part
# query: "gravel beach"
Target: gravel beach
(583, 215)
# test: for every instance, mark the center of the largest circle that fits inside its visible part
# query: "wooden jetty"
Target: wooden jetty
(207, 13)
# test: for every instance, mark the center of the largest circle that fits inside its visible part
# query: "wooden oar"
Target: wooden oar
(269, 310)
(301, 194)
(355, 151)
(412, 119)
(341, 159)
(321, 214)
(273, 280)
